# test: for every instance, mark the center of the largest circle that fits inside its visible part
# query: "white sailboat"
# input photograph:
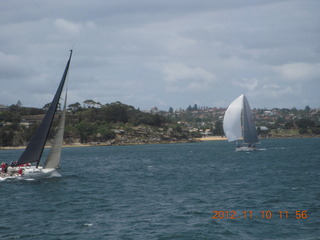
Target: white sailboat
(23, 168)
(238, 125)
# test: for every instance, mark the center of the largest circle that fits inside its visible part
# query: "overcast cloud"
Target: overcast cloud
(164, 53)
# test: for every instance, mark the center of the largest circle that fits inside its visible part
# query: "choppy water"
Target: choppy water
(169, 192)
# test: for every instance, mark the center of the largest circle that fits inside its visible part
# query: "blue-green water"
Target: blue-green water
(169, 192)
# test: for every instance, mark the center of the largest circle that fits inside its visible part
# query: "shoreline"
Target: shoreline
(203, 139)
(95, 144)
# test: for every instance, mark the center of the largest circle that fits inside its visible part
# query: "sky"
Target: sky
(168, 53)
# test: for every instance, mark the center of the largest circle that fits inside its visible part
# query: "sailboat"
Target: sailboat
(238, 125)
(28, 165)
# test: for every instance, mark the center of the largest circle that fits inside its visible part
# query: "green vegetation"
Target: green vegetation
(118, 123)
(93, 123)
(284, 132)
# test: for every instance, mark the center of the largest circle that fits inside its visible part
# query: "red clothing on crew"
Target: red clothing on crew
(20, 171)
(3, 167)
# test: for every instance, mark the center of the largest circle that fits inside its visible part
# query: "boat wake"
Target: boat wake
(261, 149)
(278, 148)
(54, 174)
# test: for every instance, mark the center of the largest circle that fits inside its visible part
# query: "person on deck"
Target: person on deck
(3, 167)
(6, 167)
(20, 171)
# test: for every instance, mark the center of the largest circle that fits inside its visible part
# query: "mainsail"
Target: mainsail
(34, 150)
(250, 134)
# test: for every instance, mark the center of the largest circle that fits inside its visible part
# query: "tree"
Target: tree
(86, 129)
(218, 128)
(288, 125)
(305, 123)
(19, 104)
(106, 132)
(6, 136)
(303, 131)
(117, 112)
(89, 103)
(195, 107)
(316, 130)
(307, 109)
(75, 107)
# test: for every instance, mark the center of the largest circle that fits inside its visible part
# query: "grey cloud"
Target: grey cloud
(162, 53)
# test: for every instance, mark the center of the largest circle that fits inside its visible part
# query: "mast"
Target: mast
(34, 150)
(242, 116)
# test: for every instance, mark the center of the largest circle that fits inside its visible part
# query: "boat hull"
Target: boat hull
(32, 173)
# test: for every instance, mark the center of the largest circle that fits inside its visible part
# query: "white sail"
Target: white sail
(53, 159)
(232, 120)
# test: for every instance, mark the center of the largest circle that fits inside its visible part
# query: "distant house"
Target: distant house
(3, 108)
(154, 110)
(27, 123)
(269, 113)
(264, 128)
(28, 120)
(206, 133)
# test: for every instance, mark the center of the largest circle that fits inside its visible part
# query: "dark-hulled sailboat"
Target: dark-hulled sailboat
(23, 168)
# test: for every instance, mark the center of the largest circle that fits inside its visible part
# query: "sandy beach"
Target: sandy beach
(212, 138)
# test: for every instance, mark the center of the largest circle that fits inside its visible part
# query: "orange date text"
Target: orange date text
(266, 214)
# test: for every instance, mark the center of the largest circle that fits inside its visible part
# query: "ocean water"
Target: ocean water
(170, 191)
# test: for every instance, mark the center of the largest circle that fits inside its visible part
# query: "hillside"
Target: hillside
(120, 124)
(109, 124)
(271, 123)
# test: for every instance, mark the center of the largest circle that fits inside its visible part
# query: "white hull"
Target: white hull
(32, 173)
